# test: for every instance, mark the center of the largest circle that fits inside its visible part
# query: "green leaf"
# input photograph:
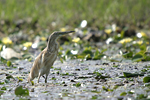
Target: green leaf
(137, 57)
(3, 88)
(78, 84)
(68, 52)
(45, 92)
(1, 83)
(20, 91)
(141, 96)
(14, 58)
(146, 79)
(115, 66)
(130, 92)
(123, 94)
(6, 81)
(53, 78)
(80, 56)
(100, 76)
(98, 55)
(20, 79)
(106, 89)
(57, 68)
(143, 47)
(87, 51)
(27, 56)
(94, 97)
(61, 60)
(115, 60)
(128, 55)
(30, 59)
(8, 63)
(122, 33)
(65, 74)
(146, 58)
(88, 57)
(9, 76)
(1, 92)
(127, 75)
(103, 50)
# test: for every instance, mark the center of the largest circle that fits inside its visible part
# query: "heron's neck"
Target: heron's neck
(52, 45)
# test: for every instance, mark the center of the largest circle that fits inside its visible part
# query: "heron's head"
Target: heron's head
(52, 41)
(57, 34)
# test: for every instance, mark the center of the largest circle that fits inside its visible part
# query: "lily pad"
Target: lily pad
(146, 79)
(127, 75)
(20, 91)
(137, 57)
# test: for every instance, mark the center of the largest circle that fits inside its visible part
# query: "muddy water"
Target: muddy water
(75, 79)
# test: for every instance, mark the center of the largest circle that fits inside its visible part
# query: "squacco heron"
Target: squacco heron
(46, 58)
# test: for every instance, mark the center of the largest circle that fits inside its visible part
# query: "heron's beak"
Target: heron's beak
(63, 33)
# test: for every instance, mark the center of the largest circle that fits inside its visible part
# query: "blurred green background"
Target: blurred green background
(55, 14)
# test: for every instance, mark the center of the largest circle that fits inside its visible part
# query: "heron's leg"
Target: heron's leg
(43, 76)
(46, 78)
(39, 77)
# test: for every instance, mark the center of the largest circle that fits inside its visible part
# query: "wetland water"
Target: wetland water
(75, 79)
